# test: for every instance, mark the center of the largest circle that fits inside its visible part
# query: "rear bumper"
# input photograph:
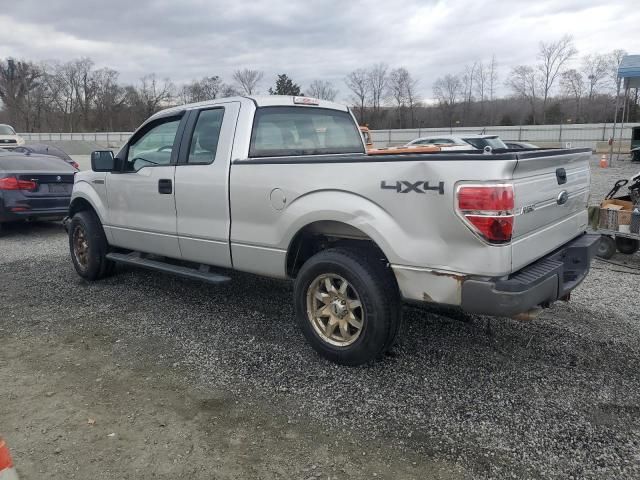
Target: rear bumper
(542, 282)
(15, 206)
(49, 214)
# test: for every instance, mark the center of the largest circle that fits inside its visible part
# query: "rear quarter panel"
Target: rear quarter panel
(413, 229)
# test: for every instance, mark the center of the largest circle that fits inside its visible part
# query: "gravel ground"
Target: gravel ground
(558, 397)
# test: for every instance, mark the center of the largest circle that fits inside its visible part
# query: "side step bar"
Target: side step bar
(136, 260)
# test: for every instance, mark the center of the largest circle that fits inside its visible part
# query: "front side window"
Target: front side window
(204, 140)
(153, 147)
(288, 131)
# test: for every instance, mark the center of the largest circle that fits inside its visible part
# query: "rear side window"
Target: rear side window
(204, 141)
(288, 131)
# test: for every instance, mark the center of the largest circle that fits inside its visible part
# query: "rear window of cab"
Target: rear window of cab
(290, 131)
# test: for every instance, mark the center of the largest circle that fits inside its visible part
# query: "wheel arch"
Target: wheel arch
(86, 199)
(323, 234)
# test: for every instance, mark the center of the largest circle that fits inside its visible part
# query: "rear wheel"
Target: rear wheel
(628, 246)
(606, 247)
(347, 305)
(88, 246)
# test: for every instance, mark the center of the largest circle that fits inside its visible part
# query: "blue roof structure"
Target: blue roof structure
(629, 71)
(629, 67)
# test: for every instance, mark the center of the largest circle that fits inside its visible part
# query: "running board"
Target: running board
(135, 259)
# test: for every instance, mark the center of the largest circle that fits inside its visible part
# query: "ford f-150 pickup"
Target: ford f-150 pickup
(283, 187)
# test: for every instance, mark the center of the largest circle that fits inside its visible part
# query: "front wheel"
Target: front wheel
(88, 246)
(347, 305)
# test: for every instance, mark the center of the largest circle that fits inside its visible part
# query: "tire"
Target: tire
(628, 246)
(606, 247)
(370, 284)
(89, 259)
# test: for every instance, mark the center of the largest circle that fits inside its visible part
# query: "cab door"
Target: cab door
(202, 184)
(142, 196)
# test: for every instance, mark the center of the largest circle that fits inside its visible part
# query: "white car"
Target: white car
(476, 141)
(9, 138)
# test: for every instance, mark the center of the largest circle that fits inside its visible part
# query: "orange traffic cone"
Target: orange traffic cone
(603, 161)
(7, 472)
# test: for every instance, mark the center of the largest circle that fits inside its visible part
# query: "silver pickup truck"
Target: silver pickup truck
(282, 187)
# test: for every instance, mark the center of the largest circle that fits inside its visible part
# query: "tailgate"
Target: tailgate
(551, 194)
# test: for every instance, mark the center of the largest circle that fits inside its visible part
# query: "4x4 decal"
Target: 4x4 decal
(405, 186)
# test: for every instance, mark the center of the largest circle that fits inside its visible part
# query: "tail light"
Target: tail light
(488, 210)
(75, 165)
(12, 183)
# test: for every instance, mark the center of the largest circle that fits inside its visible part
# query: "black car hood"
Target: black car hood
(17, 163)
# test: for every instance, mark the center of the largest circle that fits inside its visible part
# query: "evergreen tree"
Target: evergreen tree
(285, 86)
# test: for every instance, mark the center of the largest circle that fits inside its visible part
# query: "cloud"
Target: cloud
(307, 40)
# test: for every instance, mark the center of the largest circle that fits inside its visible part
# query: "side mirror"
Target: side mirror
(103, 161)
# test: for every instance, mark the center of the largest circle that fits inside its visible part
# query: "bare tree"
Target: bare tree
(18, 80)
(413, 97)
(493, 77)
(247, 80)
(153, 94)
(206, 88)
(356, 81)
(81, 77)
(481, 78)
(227, 90)
(573, 85)
(468, 76)
(402, 89)
(595, 69)
(523, 81)
(61, 85)
(323, 90)
(614, 60)
(553, 56)
(448, 90)
(109, 98)
(493, 81)
(484, 84)
(377, 79)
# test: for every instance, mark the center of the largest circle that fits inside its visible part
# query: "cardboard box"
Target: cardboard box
(623, 209)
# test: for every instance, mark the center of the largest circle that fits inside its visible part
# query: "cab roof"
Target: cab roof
(258, 101)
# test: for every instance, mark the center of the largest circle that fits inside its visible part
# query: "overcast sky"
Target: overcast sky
(187, 39)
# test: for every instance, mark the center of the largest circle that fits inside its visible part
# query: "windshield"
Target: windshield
(6, 130)
(481, 142)
(288, 131)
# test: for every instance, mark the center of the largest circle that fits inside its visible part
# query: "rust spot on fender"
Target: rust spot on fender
(455, 276)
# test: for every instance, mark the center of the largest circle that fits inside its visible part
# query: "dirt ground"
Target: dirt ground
(77, 407)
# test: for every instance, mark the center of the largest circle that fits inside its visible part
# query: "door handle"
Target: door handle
(165, 186)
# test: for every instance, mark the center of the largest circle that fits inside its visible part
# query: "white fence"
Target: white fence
(582, 135)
